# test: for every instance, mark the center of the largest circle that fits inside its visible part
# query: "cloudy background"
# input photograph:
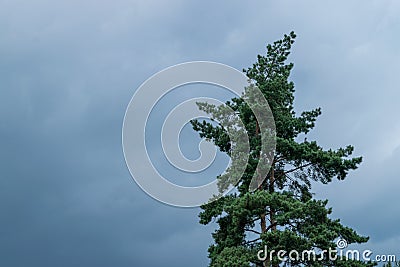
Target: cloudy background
(69, 68)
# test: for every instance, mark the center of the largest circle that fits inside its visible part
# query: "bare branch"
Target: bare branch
(300, 167)
(251, 230)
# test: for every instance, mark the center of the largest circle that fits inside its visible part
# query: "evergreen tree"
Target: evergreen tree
(281, 214)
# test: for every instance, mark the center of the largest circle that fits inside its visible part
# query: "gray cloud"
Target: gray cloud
(68, 70)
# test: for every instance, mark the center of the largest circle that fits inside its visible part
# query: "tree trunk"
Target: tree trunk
(272, 210)
(263, 224)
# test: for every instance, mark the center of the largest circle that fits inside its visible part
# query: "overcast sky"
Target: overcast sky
(69, 68)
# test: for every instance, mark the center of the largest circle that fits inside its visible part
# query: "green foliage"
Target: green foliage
(390, 264)
(281, 214)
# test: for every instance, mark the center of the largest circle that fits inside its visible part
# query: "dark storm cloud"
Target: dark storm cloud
(68, 70)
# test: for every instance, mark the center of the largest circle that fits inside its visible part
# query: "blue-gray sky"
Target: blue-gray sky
(69, 68)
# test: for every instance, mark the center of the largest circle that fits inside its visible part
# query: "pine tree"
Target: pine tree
(281, 214)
